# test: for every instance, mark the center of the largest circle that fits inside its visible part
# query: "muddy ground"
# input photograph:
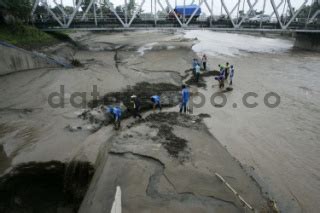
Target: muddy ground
(45, 187)
(164, 162)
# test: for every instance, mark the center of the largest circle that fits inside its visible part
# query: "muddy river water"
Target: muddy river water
(280, 145)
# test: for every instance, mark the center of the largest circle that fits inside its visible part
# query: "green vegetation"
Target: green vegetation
(18, 8)
(25, 36)
(14, 28)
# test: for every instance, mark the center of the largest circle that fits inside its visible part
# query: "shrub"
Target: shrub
(76, 63)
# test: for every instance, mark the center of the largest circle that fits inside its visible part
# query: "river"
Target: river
(279, 146)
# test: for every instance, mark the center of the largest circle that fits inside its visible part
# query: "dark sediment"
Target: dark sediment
(204, 115)
(144, 91)
(171, 118)
(173, 144)
(169, 94)
(45, 187)
(203, 74)
(176, 147)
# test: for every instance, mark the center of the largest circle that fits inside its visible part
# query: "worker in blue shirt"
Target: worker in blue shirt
(185, 95)
(221, 76)
(116, 114)
(156, 102)
(194, 64)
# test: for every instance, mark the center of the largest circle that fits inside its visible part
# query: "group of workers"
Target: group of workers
(116, 111)
(226, 72)
(196, 67)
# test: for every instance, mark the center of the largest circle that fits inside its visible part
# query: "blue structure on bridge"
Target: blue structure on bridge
(188, 10)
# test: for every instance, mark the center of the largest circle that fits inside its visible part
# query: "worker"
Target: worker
(156, 102)
(227, 70)
(185, 99)
(136, 106)
(194, 64)
(221, 68)
(116, 114)
(231, 74)
(204, 61)
(197, 72)
(221, 76)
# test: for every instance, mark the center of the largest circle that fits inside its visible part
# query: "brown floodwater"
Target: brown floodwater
(279, 146)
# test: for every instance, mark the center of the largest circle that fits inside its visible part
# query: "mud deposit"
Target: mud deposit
(176, 147)
(203, 75)
(169, 94)
(164, 163)
(170, 141)
(144, 90)
(45, 187)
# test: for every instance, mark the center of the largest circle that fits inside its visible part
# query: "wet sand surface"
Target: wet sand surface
(279, 146)
(167, 161)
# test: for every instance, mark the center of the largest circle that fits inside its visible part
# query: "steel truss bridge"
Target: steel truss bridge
(95, 17)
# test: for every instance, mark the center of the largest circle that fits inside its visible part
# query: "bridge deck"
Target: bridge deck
(179, 28)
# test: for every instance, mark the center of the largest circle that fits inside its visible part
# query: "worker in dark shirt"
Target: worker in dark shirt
(136, 106)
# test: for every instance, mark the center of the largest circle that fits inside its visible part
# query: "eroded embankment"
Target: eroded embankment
(45, 187)
(14, 59)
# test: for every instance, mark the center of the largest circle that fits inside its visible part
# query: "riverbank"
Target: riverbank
(166, 148)
(23, 47)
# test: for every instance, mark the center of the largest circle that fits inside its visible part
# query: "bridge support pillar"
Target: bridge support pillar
(308, 41)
